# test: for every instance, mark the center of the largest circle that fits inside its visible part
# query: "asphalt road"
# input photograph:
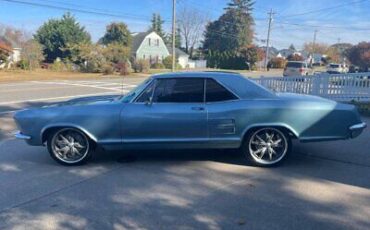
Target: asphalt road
(321, 185)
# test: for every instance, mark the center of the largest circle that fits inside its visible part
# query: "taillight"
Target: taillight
(301, 70)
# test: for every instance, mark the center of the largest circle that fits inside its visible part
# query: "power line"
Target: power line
(94, 12)
(325, 9)
(322, 26)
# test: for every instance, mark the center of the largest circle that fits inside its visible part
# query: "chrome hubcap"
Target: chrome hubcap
(268, 146)
(70, 145)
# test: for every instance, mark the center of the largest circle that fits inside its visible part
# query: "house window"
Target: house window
(157, 42)
(149, 41)
(144, 56)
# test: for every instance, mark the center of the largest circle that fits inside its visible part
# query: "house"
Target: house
(150, 46)
(11, 50)
(182, 57)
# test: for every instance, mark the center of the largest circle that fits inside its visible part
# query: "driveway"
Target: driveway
(321, 185)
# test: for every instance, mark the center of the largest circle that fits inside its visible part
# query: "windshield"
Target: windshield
(334, 66)
(135, 91)
(295, 64)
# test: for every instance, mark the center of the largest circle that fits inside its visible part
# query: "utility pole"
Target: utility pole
(314, 41)
(268, 37)
(173, 35)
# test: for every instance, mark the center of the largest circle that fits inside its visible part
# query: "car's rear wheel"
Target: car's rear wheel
(69, 146)
(266, 146)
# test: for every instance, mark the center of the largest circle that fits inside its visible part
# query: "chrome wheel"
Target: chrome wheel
(70, 145)
(268, 146)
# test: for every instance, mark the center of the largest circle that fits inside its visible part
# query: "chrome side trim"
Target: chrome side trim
(358, 126)
(22, 136)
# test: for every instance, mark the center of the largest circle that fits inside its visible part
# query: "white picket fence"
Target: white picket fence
(340, 87)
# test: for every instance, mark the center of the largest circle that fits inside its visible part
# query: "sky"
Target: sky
(294, 21)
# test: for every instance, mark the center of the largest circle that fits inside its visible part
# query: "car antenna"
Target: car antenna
(123, 77)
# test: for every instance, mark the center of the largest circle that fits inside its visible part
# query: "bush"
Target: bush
(141, 66)
(108, 69)
(124, 68)
(167, 62)
(178, 66)
(22, 64)
(157, 66)
(94, 64)
(58, 66)
(277, 62)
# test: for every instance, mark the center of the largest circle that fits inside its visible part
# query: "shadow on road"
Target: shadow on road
(192, 189)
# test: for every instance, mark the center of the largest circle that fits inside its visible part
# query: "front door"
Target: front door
(173, 113)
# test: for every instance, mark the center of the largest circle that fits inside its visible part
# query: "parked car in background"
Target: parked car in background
(334, 68)
(354, 69)
(189, 110)
(296, 68)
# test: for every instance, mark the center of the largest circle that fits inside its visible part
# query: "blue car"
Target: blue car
(193, 110)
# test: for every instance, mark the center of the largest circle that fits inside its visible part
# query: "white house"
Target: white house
(150, 46)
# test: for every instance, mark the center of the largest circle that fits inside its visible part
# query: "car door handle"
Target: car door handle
(197, 108)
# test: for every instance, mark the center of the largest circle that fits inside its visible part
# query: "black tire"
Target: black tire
(249, 149)
(82, 140)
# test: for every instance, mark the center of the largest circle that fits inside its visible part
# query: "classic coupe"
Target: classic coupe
(189, 110)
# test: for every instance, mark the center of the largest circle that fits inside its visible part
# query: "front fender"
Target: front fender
(44, 131)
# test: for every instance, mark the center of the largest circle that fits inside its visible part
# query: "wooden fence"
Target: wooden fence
(340, 87)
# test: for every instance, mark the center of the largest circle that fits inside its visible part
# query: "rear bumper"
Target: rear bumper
(357, 129)
(21, 136)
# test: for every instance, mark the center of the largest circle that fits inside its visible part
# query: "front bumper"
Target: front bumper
(357, 129)
(21, 136)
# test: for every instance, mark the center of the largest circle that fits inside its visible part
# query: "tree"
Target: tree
(117, 33)
(168, 39)
(333, 54)
(292, 48)
(157, 25)
(116, 53)
(295, 57)
(277, 62)
(233, 30)
(359, 55)
(56, 34)
(315, 48)
(31, 54)
(191, 22)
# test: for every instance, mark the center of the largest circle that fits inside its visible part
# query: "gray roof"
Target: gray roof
(178, 52)
(137, 40)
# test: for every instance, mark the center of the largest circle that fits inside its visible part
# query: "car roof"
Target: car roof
(237, 83)
(211, 74)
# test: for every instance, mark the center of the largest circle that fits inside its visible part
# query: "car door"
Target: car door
(168, 110)
(223, 113)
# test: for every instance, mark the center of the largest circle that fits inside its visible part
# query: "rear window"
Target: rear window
(295, 64)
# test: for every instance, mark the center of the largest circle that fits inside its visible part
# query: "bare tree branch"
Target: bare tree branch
(191, 23)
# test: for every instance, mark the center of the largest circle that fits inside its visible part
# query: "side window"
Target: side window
(146, 94)
(216, 92)
(179, 90)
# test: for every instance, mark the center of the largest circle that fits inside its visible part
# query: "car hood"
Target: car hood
(87, 101)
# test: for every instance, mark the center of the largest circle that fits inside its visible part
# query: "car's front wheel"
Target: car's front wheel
(266, 146)
(69, 146)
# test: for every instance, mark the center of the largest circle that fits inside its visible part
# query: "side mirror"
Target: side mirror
(149, 102)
